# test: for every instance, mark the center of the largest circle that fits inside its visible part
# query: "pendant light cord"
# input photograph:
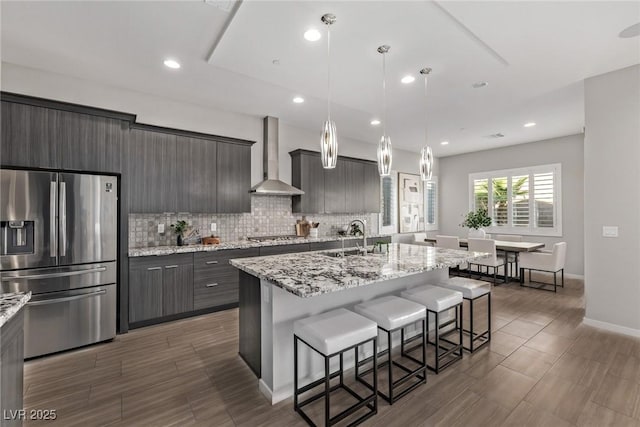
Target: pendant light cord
(329, 72)
(426, 114)
(384, 94)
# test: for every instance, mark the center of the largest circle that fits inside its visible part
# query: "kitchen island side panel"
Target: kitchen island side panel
(250, 321)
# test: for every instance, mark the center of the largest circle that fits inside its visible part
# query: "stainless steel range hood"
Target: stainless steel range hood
(272, 186)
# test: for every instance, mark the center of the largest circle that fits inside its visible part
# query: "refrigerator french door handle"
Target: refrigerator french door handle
(53, 213)
(63, 219)
(54, 275)
(71, 298)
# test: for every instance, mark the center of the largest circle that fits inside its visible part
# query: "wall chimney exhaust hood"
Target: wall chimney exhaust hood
(272, 186)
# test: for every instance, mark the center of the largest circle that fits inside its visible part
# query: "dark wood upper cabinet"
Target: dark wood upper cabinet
(28, 136)
(233, 177)
(307, 173)
(197, 175)
(47, 134)
(163, 169)
(152, 172)
(353, 186)
(371, 188)
(89, 143)
(335, 188)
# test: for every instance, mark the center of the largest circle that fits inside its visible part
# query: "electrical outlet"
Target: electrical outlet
(610, 231)
(161, 228)
(214, 227)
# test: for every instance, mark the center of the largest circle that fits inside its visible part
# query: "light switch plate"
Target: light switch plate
(214, 227)
(161, 228)
(609, 231)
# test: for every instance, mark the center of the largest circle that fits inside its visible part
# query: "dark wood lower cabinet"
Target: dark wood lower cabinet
(145, 293)
(160, 286)
(177, 289)
(11, 370)
(215, 280)
(163, 288)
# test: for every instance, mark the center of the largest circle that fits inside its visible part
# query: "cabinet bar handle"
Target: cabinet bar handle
(211, 285)
(170, 266)
(154, 268)
(212, 262)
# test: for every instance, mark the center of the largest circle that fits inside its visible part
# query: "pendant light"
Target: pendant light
(329, 138)
(384, 147)
(426, 155)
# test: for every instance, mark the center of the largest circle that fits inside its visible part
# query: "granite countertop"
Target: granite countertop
(10, 304)
(310, 274)
(240, 244)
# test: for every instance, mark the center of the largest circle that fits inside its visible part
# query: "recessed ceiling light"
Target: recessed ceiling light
(298, 100)
(172, 63)
(530, 124)
(630, 31)
(444, 143)
(375, 122)
(408, 79)
(312, 35)
(478, 85)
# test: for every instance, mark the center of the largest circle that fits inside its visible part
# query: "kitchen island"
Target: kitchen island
(277, 290)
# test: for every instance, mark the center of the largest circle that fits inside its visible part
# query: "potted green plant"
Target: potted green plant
(475, 221)
(179, 228)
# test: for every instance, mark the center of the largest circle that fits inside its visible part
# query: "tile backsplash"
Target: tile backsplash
(270, 216)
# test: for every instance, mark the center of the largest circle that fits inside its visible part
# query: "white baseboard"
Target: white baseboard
(574, 276)
(611, 327)
(269, 394)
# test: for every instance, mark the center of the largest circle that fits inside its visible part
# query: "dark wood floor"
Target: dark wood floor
(543, 368)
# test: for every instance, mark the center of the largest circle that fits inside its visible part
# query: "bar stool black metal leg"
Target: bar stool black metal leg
(437, 343)
(389, 359)
(471, 337)
(327, 392)
(295, 373)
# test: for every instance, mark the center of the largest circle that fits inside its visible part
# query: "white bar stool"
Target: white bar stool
(471, 291)
(330, 334)
(438, 300)
(393, 314)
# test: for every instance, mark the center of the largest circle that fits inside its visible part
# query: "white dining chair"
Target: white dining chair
(418, 239)
(448, 242)
(451, 242)
(511, 257)
(550, 262)
(493, 260)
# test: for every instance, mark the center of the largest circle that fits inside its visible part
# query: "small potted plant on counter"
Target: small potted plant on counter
(179, 228)
(476, 220)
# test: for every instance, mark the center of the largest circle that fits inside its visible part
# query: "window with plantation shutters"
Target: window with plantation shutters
(520, 201)
(431, 204)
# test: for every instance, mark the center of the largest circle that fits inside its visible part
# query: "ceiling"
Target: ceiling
(534, 55)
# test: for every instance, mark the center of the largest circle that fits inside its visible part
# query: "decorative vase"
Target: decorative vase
(477, 233)
(179, 243)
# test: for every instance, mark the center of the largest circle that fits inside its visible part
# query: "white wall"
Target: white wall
(161, 111)
(612, 197)
(568, 150)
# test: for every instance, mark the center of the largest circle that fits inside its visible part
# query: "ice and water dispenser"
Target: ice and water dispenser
(17, 237)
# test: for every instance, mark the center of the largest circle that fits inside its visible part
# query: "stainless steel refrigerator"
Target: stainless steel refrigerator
(59, 240)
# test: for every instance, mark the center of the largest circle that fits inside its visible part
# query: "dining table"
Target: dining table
(505, 246)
